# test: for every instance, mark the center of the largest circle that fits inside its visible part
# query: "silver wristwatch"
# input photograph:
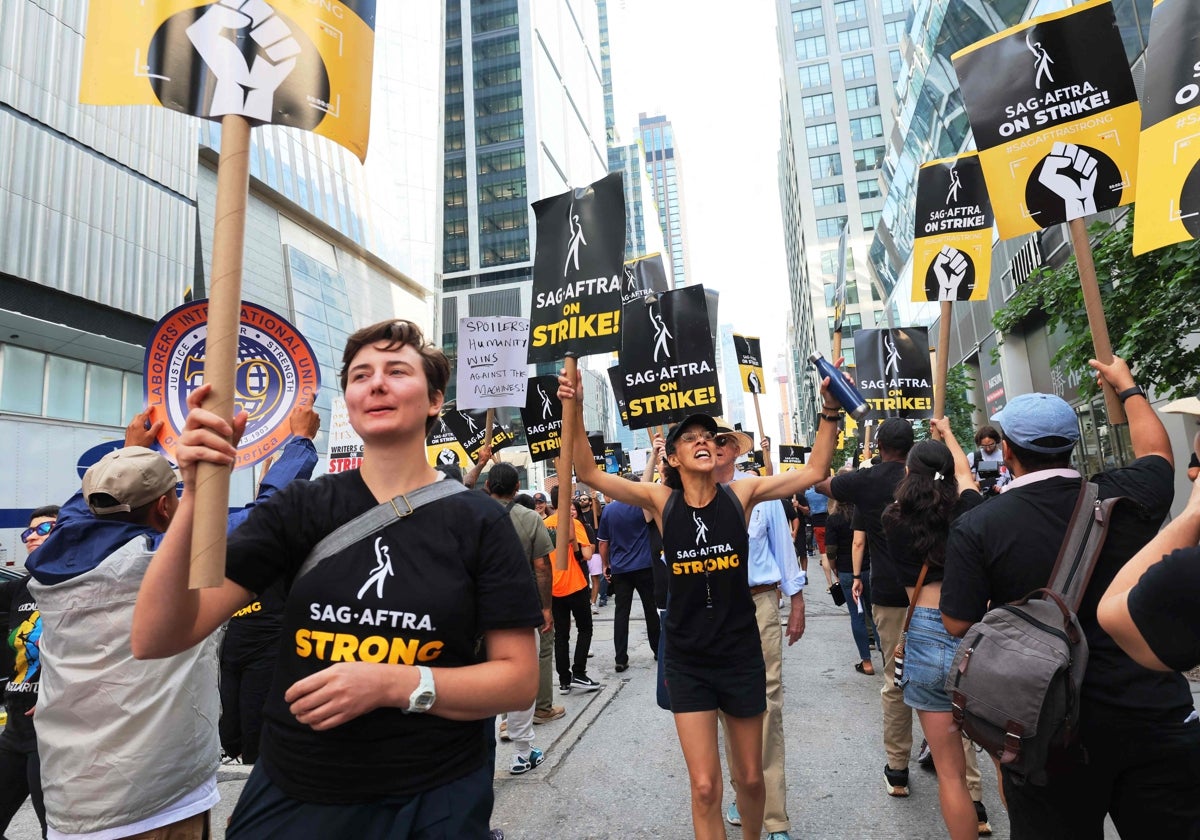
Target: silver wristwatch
(424, 695)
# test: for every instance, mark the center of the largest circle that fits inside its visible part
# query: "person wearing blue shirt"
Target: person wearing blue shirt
(818, 512)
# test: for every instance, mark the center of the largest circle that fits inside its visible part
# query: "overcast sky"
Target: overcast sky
(713, 70)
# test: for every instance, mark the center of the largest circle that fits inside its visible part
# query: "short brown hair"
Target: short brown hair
(396, 334)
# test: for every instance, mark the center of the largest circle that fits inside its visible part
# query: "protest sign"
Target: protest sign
(792, 457)
(668, 366)
(614, 456)
(749, 359)
(293, 64)
(492, 371)
(839, 296)
(442, 447)
(644, 276)
(470, 430)
(578, 271)
(542, 416)
(1055, 117)
(952, 248)
(894, 373)
(596, 442)
(276, 367)
(1168, 188)
(345, 446)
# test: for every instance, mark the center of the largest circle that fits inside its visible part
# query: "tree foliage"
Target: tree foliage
(1151, 304)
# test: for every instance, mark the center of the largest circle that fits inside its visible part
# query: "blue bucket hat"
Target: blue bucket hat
(1040, 423)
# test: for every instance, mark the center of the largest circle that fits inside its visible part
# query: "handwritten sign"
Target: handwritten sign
(492, 371)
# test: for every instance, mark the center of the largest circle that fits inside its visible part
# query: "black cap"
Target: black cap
(895, 434)
(691, 420)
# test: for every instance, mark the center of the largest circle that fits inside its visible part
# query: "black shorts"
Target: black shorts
(738, 690)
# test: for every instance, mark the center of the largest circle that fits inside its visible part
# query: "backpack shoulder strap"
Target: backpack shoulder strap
(376, 519)
(1082, 544)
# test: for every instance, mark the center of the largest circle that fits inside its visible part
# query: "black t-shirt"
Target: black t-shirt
(871, 491)
(24, 637)
(421, 591)
(1194, 461)
(1005, 549)
(839, 533)
(254, 630)
(1163, 606)
(907, 563)
(710, 613)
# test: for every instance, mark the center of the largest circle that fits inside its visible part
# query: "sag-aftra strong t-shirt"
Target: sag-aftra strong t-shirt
(422, 591)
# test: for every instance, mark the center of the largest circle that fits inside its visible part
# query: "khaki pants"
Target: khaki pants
(192, 828)
(545, 695)
(897, 716)
(775, 818)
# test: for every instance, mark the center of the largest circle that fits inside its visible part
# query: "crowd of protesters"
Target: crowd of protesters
(410, 606)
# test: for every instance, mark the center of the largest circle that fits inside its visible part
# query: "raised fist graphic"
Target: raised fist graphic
(1070, 172)
(244, 86)
(950, 267)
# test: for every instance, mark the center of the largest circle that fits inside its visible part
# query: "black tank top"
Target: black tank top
(710, 612)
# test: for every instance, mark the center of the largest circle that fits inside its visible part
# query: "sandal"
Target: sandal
(862, 669)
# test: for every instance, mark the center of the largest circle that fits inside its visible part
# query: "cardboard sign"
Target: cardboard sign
(542, 416)
(750, 366)
(1168, 189)
(792, 457)
(276, 367)
(470, 430)
(668, 365)
(644, 276)
(578, 271)
(1055, 117)
(305, 65)
(443, 448)
(492, 371)
(952, 249)
(346, 448)
(894, 373)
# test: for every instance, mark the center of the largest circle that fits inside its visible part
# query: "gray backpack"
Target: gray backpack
(1016, 677)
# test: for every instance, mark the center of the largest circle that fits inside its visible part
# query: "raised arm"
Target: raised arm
(169, 617)
(1146, 431)
(963, 474)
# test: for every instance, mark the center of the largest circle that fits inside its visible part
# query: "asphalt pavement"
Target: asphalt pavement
(614, 769)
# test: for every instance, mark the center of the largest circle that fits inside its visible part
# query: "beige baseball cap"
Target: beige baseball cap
(1187, 405)
(744, 442)
(134, 476)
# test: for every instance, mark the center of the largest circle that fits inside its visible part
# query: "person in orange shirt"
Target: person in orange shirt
(572, 598)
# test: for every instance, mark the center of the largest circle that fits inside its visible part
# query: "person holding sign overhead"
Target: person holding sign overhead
(713, 656)
(378, 722)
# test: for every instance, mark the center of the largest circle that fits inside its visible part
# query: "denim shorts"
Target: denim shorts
(928, 653)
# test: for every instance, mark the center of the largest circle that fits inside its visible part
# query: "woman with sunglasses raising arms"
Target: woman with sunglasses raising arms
(714, 651)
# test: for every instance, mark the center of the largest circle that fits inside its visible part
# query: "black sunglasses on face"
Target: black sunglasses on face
(42, 530)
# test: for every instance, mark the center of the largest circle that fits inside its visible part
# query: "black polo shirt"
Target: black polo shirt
(871, 490)
(1003, 550)
(1163, 606)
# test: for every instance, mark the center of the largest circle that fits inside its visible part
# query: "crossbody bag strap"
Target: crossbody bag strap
(912, 602)
(1082, 545)
(376, 519)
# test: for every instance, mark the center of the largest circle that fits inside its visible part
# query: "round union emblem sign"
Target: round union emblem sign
(276, 367)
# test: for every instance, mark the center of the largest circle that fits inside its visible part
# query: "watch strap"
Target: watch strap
(424, 685)
(1135, 391)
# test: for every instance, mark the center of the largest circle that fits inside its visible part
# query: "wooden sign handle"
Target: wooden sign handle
(942, 360)
(566, 527)
(1095, 315)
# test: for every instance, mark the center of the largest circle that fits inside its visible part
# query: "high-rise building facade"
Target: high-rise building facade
(108, 216)
(840, 61)
(666, 174)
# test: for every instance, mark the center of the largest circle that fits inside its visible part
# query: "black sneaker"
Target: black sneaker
(985, 827)
(564, 688)
(896, 781)
(925, 756)
(585, 683)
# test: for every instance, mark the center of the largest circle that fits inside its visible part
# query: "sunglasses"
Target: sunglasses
(719, 440)
(42, 530)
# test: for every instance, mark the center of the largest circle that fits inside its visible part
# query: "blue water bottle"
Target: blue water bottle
(843, 391)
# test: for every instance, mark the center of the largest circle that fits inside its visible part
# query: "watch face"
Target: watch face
(424, 700)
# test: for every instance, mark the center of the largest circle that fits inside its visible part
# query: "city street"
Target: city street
(613, 768)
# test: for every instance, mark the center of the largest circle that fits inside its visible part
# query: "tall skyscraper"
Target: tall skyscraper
(666, 174)
(840, 59)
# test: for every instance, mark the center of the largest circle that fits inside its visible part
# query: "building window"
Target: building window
(805, 19)
(854, 39)
(824, 134)
(23, 380)
(896, 7)
(870, 220)
(814, 75)
(820, 105)
(813, 47)
(830, 228)
(866, 128)
(829, 260)
(835, 194)
(46, 385)
(859, 67)
(845, 11)
(868, 159)
(893, 32)
(896, 62)
(824, 166)
(868, 189)
(860, 98)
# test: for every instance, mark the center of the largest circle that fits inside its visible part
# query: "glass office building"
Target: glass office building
(666, 175)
